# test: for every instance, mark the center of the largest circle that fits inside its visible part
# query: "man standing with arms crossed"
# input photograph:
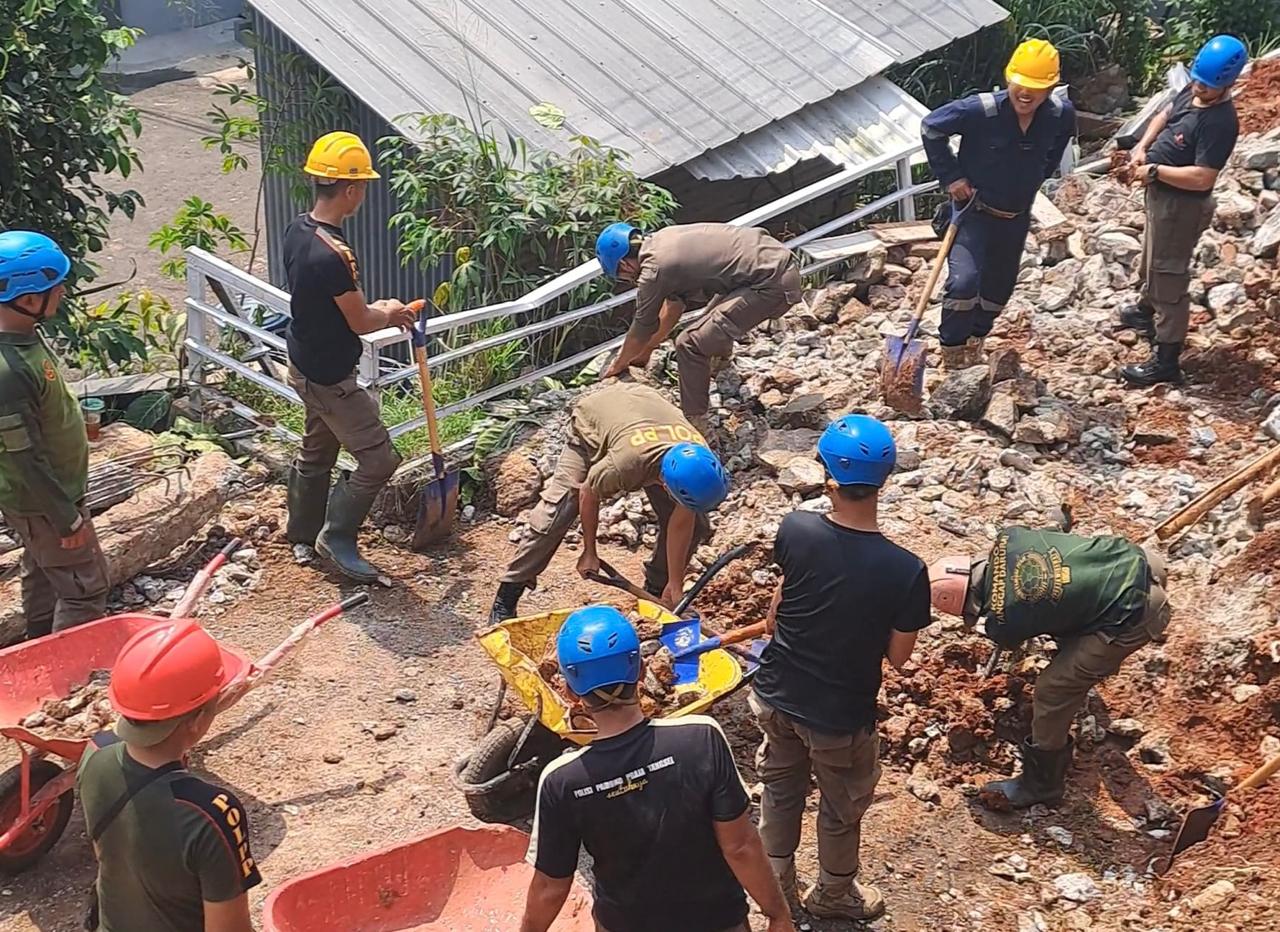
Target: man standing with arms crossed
(658, 804)
(329, 312)
(44, 452)
(848, 600)
(1178, 161)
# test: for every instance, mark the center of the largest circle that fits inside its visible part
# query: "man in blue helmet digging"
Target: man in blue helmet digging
(742, 274)
(1178, 160)
(622, 438)
(658, 805)
(44, 452)
(848, 599)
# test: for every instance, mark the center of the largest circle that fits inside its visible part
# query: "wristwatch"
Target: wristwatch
(1153, 173)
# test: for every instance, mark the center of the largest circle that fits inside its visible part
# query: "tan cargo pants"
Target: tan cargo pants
(1083, 662)
(847, 768)
(60, 588)
(1174, 224)
(344, 415)
(557, 509)
(729, 318)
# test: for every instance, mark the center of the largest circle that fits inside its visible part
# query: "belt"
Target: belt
(1000, 214)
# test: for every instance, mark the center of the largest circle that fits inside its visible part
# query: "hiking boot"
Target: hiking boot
(1140, 319)
(1161, 367)
(973, 355)
(337, 540)
(1043, 778)
(860, 902)
(954, 357)
(308, 502)
(506, 601)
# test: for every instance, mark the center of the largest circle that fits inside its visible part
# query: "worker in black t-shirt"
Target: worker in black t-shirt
(658, 805)
(848, 599)
(1178, 161)
(329, 312)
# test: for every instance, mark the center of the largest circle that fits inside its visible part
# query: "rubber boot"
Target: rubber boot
(505, 602)
(1043, 778)
(337, 540)
(1161, 367)
(308, 500)
(843, 898)
(953, 357)
(1140, 319)
(973, 355)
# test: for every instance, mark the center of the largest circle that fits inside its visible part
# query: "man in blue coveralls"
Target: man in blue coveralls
(1010, 142)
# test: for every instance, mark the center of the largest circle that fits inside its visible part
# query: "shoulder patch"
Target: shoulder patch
(344, 252)
(224, 812)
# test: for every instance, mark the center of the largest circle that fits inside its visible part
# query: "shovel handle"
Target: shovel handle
(736, 636)
(611, 577)
(202, 579)
(721, 562)
(424, 380)
(1261, 775)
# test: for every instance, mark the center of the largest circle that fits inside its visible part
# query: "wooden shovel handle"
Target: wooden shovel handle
(749, 633)
(1216, 495)
(1261, 775)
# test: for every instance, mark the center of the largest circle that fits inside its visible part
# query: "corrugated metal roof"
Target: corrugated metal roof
(849, 128)
(664, 80)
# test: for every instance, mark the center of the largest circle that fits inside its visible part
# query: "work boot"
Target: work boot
(1140, 319)
(1161, 367)
(337, 540)
(308, 501)
(953, 357)
(1043, 778)
(505, 602)
(843, 898)
(973, 355)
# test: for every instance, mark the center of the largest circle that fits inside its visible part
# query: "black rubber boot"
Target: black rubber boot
(1140, 319)
(1161, 367)
(337, 540)
(1043, 778)
(506, 601)
(308, 503)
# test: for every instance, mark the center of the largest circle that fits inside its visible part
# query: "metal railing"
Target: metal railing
(221, 298)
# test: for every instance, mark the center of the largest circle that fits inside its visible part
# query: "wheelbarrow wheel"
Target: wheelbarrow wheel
(499, 789)
(43, 834)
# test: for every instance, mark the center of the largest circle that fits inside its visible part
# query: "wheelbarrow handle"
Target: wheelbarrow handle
(200, 583)
(708, 574)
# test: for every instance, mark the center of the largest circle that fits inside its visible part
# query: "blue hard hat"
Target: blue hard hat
(30, 263)
(612, 246)
(857, 449)
(1219, 62)
(695, 477)
(597, 647)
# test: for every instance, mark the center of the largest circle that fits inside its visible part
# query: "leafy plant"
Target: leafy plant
(195, 224)
(133, 331)
(1191, 23)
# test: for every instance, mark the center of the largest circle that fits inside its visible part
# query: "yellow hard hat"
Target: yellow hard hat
(1034, 65)
(339, 156)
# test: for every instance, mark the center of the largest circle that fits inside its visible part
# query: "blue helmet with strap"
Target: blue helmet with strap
(1219, 62)
(857, 449)
(612, 246)
(695, 477)
(30, 263)
(599, 652)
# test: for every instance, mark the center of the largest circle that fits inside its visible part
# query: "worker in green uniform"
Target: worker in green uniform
(44, 452)
(1101, 598)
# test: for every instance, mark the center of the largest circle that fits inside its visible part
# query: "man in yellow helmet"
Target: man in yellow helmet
(329, 312)
(1010, 142)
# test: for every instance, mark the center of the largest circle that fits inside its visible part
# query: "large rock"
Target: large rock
(1002, 412)
(147, 528)
(1225, 295)
(827, 305)
(1235, 212)
(1118, 246)
(780, 447)
(1004, 364)
(1049, 426)
(1266, 242)
(516, 484)
(1095, 276)
(802, 475)
(962, 395)
(1058, 286)
(869, 267)
(802, 411)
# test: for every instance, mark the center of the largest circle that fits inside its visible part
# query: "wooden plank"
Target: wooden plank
(845, 246)
(124, 384)
(904, 232)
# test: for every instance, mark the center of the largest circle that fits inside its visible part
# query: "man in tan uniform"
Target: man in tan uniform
(744, 274)
(622, 438)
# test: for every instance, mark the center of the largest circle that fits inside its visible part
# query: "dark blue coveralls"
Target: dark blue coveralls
(1006, 167)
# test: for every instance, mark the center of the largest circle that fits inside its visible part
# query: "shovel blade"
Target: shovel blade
(902, 374)
(437, 506)
(677, 637)
(1195, 829)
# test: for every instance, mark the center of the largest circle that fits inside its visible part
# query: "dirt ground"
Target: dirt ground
(1258, 99)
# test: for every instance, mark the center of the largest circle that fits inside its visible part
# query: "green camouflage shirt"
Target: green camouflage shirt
(44, 453)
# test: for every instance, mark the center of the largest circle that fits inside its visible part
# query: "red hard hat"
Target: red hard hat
(170, 669)
(949, 583)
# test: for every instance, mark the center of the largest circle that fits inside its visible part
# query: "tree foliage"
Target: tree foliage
(63, 131)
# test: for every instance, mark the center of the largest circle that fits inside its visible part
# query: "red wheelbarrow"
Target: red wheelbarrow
(453, 880)
(36, 795)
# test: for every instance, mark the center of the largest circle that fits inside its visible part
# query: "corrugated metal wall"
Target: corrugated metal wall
(384, 277)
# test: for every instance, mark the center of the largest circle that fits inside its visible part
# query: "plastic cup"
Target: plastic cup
(92, 409)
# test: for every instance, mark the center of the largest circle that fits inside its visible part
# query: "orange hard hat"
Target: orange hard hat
(170, 669)
(949, 583)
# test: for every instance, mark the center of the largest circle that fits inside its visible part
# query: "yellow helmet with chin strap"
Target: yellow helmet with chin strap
(1034, 64)
(340, 156)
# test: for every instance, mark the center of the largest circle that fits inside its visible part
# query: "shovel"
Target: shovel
(902, 370)
(611, 577)
(1195, 827)
(439, 500)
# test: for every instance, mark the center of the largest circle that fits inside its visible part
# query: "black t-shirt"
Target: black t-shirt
(320, 267)
(644, 804)
(1195, 135)
(843, 593)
